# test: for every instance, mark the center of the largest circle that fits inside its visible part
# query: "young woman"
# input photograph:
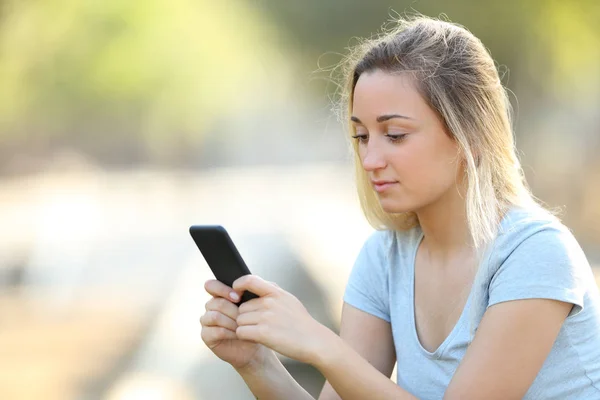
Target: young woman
(468, 284)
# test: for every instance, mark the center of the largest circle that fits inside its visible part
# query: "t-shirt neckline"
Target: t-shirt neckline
(457, 327)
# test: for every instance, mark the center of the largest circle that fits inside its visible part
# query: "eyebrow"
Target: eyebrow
(382, 118)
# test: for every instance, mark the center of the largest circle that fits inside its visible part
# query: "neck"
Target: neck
(445, 226)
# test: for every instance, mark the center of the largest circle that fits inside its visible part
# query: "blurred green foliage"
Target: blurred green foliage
(114, 73)
(145, 80)
(558, 39)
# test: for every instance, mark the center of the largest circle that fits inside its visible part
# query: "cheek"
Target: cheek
(441, 175)
(426, 170)
(411, 163)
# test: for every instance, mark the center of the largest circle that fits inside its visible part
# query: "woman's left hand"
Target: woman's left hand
(279, 321)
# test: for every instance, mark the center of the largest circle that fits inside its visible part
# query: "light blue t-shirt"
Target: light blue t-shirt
(533, 256)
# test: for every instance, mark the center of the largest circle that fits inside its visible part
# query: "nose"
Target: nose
(372, 157)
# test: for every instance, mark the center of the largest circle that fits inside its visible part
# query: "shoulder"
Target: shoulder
(534, 249)
(533, 243)
(368, 285)
(537, 256)
(537, 230)
(521, 221)
(383, 248)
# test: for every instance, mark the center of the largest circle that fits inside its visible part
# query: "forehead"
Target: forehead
(379, 92)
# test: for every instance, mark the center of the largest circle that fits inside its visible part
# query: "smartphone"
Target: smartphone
(221, 255)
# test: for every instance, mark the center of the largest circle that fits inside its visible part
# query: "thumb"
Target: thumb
(256, 285)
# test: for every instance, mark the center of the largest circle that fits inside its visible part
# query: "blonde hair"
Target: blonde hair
(458, 79)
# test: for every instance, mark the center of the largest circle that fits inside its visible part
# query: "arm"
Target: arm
(511, 345)
(258, 366)
(512, 342)
(278, 321)
(540, 281)
(271, 380)
(353, 378)
(509, 349)
(371, 338)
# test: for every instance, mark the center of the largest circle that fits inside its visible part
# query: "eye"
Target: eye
(361, 138)
(395, 137)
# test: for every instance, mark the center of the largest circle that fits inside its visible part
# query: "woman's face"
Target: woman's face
(403, 147)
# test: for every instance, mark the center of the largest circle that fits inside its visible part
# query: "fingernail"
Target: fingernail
(234, 296)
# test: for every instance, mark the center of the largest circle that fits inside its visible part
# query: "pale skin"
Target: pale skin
(425, 172)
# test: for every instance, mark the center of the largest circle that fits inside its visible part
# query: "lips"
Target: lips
(382, 185)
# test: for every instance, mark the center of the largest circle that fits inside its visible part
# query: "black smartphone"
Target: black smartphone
(221, 255)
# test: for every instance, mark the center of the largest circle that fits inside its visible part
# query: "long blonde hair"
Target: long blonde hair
(458, 79)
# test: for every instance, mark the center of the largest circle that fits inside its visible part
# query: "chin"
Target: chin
(395, 207)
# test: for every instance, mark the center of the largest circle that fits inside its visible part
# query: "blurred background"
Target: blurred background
(124, 122)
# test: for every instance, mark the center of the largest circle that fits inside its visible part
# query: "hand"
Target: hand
(219, 329)
(279, 321)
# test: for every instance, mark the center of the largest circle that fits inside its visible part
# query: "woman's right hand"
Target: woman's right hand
(219, 326)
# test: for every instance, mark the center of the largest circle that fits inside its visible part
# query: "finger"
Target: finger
(213, 334)
(215, 318)
(251, 318)
(256, 285)
(219, 289)
(252, 333)
(222, 305)
(261, 303)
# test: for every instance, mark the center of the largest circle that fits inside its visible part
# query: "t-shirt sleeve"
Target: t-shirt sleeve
(549, 264)
(367, 287)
